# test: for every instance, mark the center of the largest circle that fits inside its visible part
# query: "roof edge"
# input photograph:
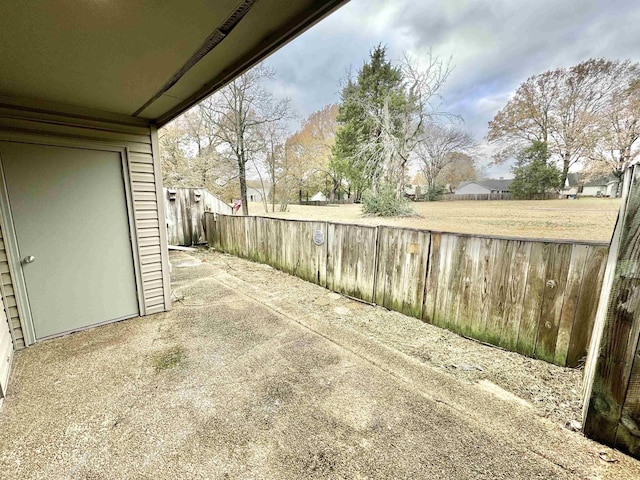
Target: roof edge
(46, 107)
(293, 29)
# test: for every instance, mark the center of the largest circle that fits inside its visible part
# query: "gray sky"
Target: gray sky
(494, 44)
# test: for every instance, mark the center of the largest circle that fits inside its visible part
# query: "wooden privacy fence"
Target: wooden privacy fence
(184, 214)
(494, 196)
(535, 297)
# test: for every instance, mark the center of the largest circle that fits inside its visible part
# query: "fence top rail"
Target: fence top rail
(593, 243)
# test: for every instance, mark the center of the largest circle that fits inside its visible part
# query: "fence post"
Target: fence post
(611, 409)
(376, 265)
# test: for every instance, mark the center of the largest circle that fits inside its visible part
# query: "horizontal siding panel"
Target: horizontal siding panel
(144, 187)
(6, 279)
(150, 267)
(153, 284)
(148, 241)
(147, 259)
(153, 301)
(151, 277)
(147, 215)
(137, 167)
(50, 128)
(144, 224)
(141, 158)
(149, 232)
(79, 122)
(4, 267)
(144, 197)
(155, 309)
(152, 293)
(19, 135)
(150, 250)
(146, 205)
(143, 178)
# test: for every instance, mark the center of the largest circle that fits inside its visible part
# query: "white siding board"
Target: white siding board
(156, 309)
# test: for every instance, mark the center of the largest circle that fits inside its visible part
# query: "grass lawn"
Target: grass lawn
(583, 219)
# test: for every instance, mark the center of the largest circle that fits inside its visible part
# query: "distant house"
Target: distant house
(483, 187)
(318, 197)
(577, 185)
(256, 194)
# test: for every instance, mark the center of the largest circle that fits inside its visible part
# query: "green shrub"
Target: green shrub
(434, 194)
(384, 203)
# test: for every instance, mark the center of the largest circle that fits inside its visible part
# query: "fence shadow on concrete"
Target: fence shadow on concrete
(535, 297)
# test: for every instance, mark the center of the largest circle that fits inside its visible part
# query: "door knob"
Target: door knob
(28, 259)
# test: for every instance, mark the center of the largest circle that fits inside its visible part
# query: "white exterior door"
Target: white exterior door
(69, 213)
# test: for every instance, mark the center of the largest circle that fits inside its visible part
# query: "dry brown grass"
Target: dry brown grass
(583, 219)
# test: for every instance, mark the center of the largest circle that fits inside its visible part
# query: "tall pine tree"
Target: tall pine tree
(358, 136)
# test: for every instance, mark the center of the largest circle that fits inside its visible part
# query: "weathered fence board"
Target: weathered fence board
(184, 211)
(612, 373)
(587, 305)
(401, 271)
(535, 297)
(450, 197)
(351, 259)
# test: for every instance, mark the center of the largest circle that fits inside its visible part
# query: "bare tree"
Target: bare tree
(400, 129)
(237, 112)
(270, 165)
(437, 146)
(562, 108)
(618, 130)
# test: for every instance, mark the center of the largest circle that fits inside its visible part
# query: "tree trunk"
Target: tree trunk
(565, 170)
(273, 195)
(243, 187)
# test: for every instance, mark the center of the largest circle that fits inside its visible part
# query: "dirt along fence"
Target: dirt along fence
(535, 297)
(494, 196)
(184, 214)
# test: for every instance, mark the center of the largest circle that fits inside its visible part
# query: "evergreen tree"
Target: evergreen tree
(377, 81)
(534, 174)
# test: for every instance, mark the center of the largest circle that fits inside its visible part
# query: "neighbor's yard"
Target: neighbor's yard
(583, 219)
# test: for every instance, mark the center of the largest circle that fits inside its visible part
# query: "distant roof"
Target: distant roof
(491, 184)
(577, 179)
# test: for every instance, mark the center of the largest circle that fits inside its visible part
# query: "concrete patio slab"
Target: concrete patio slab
(225, 386)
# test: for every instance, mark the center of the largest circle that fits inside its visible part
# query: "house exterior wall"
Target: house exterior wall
(145, 183)
(6, 351)
(256, 194)
(592, 191)
(472, 188)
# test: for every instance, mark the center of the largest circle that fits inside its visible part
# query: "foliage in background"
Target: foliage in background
(440, 147)
(534, 174)
(378, 85)
(588, 114)
(434, 193)
(385, 203)
(382, 118)
(308, 161)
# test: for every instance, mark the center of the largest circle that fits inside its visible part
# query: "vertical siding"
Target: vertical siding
(138, 139)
